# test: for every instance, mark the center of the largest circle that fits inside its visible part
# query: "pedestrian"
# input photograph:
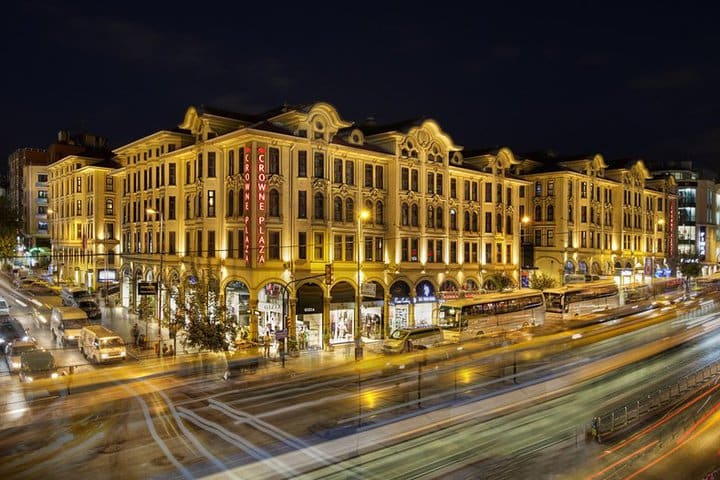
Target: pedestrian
(165, 350)
(306, 338)
(266, 344)
(135, 333)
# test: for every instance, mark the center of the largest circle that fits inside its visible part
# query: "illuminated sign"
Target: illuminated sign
(246, 202)
(261, 192)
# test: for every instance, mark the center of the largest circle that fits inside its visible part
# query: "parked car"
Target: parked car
(14, 349)
(408, 339)
(66, 323)
(71, 295)
(90, 307)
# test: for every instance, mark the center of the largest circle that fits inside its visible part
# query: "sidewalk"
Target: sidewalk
(122, 321)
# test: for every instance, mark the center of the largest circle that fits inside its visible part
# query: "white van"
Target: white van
(418, 338)
(4, 307)
(99, 344)
(66, 323)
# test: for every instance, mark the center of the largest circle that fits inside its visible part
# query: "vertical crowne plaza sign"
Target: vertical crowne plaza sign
(261, 204)
(247, 164)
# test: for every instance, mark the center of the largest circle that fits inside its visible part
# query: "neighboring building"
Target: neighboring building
(698, 211)
(84, 221)
(591, 219)
(28, 196)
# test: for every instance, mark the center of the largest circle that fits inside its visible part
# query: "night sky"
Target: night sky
(623, 81)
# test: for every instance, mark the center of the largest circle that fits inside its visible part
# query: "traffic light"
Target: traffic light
(328, 273)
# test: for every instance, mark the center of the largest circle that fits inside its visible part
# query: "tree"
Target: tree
(500, 281)
(542, 281)
(208, 325)
(689, 268)
(8, 246)
(8, 230)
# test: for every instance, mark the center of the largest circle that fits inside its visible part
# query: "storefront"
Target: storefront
(237, 302)
(425, 302)
(271, 308)
(399, 305)
(309, 314)
(342, 313)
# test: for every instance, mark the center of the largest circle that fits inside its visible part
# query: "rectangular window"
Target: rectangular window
(466, 190)
(319, 246)
(109, 185)
(231, 162)
(369, 176)
(488, 222)
(108, 206)
(405, 179)
(378, 249)
(211, 165)
(338, 248)
(583, 189)
(414, 243)
(199, 166)
(187, 243)
(230, 242)
(453, 188)
(187, 173)
(439, 184)
(302, 204)
(302, 245)
(350, 246)
(380, 177)
(488, 253)
(319, 165)
(414, 184)
(430, 183)
(79, 185)
(274, 245)
(274, 161)
(551, 238)
(337, 170)
(522, 191)
(241, 243)
(488, 192)
(199, 243)
(78, 208)
(211, 203)
(498, 253)
(171, 207)
(302, 163)
(350, 172)
(211, 242)
(453, 251)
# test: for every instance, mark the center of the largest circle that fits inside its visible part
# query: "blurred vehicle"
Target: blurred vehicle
(100, 344)
(40, 375)
(10, 329)
(25, 283)
(4, 307)
(66, 324)
(90, 307)
(408, 339)
(14, 349)
(71, 295)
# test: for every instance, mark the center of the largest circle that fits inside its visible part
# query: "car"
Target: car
(413, 338)
(15, 349)
(40, 375)
(10, 329)
(90, 307)
(25, 283)
(4, 307)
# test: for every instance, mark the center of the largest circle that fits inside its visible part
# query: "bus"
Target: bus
(662, 291)
(491, 314)
(581, 299)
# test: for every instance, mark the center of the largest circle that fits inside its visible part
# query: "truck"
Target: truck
(99, 344)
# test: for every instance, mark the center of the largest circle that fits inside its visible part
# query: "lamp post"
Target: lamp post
(152, 211)
(523, 225)
(363, 215)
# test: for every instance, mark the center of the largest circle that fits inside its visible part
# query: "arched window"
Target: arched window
(379, 213)
(538, 213)
(453, 219)
(466, 222)
(550, 213)
(414, 216)
(404, 214)
(337, 209)
(274, 207)
(319, 206)
(229, 208)
(188, 207)
(431, 217)
(349, 210)
(475, 222)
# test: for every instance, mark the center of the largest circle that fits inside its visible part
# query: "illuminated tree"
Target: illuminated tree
(542, 281)
(208, 325)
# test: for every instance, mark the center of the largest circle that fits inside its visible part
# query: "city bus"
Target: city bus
(581, 299)
(491, 314)
(662, 291)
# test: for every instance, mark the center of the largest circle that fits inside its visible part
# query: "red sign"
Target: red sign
(246, 202)
(261, 204)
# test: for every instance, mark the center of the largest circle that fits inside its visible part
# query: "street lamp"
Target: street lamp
(152, 211)
(363, 215)
(523, 225)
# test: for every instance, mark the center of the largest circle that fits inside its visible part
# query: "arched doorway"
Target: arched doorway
(342, 313)
(425, 301)
(371, 311)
